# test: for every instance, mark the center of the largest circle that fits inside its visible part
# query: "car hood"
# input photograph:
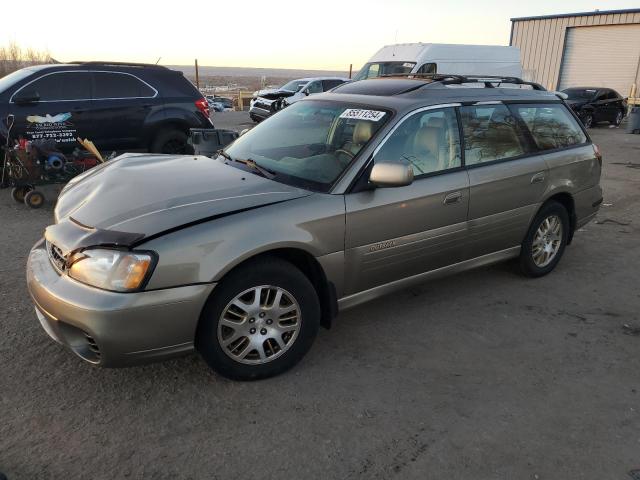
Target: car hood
(277, 94)
(142, 195)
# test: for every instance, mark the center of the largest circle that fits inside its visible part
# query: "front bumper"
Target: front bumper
(113, 329)
(258, 112)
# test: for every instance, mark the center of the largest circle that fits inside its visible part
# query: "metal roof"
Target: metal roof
(577, 14)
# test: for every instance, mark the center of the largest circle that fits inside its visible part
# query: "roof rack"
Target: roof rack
(120, 64)
(453, 79)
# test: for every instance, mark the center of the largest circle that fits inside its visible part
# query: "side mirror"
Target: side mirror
(306, 92)
(26, 96)
(391, 174)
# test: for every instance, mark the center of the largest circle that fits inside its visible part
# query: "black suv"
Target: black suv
(595, 104)
(119, 106)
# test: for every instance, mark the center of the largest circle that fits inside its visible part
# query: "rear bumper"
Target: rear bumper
(113, 329)
(587, 204)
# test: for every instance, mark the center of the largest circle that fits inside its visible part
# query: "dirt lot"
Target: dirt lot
(484, 375)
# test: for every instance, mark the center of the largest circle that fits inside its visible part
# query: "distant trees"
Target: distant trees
(13, 57)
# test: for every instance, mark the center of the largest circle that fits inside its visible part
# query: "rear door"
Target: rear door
(62, 111)
(394, 233)
(120, 105)
(507, 177)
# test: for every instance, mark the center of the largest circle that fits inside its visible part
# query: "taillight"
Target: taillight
(596, 150)
(203, 106)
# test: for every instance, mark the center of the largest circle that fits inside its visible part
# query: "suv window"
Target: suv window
(329, 84)
(490, 133)
(612, 95)
(551, 126)
(602, 95)
(428, 140)
(62, 86)
(119, 85)
(315, 87)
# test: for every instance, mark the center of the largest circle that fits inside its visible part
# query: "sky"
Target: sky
(320, 34)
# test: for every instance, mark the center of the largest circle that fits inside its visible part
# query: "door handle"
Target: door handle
(453, 197)
(538, 178)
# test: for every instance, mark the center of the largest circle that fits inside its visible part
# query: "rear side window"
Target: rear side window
(119, 85)
(329, 84)
(491, 133)
(551, 126)
(63, 86)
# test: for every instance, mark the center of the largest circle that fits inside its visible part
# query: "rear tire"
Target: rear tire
(545, 241)
(34, 199)
(259, 321)
(171, 141)
(619, 117)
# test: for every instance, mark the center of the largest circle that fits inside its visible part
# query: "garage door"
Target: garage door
(602, 56)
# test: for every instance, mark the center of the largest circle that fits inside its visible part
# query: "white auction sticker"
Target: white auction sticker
(360, 114)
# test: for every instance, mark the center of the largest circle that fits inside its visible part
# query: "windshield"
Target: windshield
(11, 79)
(294, 85)
(375, 69)
(580, 93)
(309, 144)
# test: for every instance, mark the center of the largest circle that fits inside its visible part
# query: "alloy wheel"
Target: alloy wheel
(259, 325)
(547, 241)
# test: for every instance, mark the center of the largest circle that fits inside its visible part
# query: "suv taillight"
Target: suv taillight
(203, 106)
(596, 150)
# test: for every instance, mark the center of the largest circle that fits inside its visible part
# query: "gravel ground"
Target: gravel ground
(483, 375)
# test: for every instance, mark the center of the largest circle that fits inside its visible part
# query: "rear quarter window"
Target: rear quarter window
(119, 85)
(551, 126)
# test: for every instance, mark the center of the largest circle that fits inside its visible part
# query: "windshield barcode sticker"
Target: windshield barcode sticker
(359, 114)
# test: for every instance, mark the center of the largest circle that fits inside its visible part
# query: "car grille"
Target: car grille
(264, 106)
(56, 257)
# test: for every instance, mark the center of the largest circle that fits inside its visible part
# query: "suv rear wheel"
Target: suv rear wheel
(260, 321)
(546, 240)
(172, 141)
(618, 120)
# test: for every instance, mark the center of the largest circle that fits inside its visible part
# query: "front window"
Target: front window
(580, 93)
(376, 69)
(309, 144)
(294, 85)
(13, 78)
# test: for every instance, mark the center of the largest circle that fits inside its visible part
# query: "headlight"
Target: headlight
(115, 270)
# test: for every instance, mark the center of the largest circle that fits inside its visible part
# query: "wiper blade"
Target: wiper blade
(254, 166)
(249, 163)
(224, 154)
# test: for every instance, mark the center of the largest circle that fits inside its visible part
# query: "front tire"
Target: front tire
(34, 199)
(259, 321)
(545, 241)
(587, 120)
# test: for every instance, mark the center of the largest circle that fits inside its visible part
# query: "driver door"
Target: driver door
(394, 233)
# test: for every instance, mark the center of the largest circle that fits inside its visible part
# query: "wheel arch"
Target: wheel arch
(310, 267)
(566, 200)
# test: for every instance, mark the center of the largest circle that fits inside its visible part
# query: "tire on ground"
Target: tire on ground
(527, 264)
(34, 199)
(265, 271)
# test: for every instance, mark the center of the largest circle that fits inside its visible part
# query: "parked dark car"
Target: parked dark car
(119, 106)
(594, 105)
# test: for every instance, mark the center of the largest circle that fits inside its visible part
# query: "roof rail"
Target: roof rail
(453, 79)
(120, 64)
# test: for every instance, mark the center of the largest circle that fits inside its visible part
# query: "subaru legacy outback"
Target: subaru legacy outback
(334, 201)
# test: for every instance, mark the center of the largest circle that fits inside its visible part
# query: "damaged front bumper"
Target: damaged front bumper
(113, 329)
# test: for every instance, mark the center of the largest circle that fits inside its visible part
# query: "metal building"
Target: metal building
(600, 48)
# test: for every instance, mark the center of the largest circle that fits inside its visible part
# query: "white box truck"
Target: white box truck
(405, 58)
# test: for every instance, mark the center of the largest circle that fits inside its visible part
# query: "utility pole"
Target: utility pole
(197, 76)
(350, 69)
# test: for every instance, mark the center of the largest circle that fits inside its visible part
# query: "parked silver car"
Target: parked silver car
(336, 200)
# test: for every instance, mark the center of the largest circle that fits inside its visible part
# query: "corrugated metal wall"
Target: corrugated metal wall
(541, 42)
